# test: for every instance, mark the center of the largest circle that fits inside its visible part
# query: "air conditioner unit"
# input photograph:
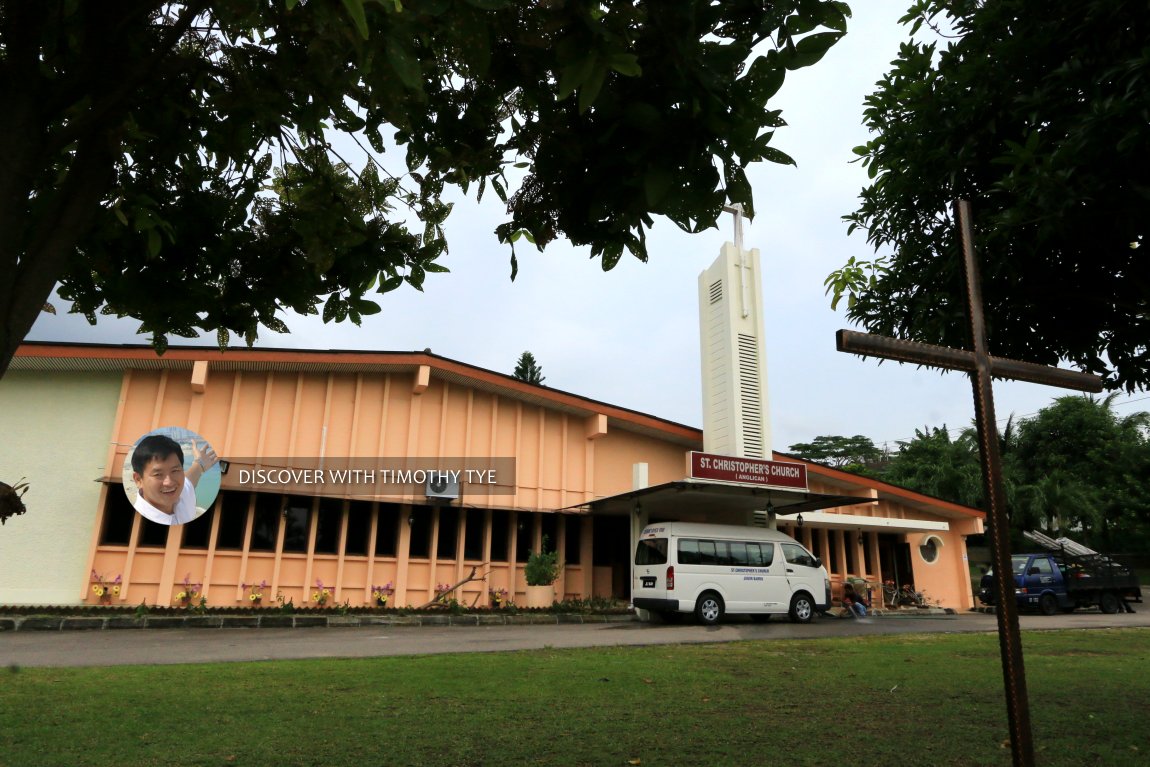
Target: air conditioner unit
(441, 487)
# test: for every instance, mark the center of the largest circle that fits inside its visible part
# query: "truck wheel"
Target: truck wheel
(802, 608)
(1108, 602)
(1048, 604)
(709, 608)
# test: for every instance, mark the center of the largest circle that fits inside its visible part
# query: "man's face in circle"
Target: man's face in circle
(162, 482)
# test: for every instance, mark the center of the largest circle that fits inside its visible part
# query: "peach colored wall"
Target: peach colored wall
(560, 461)
(284, 415)
(946, 580)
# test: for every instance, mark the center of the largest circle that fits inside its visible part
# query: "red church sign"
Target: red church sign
(752, 471)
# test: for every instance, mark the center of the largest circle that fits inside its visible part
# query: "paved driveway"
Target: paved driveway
(166, 646)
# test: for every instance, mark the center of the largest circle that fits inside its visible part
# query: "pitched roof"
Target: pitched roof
(45, 356)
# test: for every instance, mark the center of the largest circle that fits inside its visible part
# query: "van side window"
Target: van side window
(707, 555)
(739, 556)
(651, 551)
(797, 555)
(688, 551)
(1042, 565)
(723, 553)
(761, 554)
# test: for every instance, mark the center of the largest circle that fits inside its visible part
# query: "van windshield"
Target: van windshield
(651, 551)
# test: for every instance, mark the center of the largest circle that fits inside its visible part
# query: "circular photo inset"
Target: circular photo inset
(171, 475)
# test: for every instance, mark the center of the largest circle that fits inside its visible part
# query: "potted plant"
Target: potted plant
(542, 570)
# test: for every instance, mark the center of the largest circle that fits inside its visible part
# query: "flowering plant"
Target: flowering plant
(191, 591)
(382, 593)
(499, 598)
(321, 594)
(255, 591)
(443, 593)
(103, 589)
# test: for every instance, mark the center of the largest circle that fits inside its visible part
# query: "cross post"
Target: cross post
(982, 368)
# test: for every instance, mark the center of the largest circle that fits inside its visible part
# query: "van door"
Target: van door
(803, 572)
(775, 593)
(649, 587)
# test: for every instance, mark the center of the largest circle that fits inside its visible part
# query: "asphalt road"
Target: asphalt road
(171, 646)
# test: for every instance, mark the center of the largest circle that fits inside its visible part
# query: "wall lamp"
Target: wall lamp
(799, 520)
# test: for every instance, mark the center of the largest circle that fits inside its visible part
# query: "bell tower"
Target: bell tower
(736, 409)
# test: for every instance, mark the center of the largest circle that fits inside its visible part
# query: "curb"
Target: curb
(96, 623)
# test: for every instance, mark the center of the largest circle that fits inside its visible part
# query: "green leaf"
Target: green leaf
(365, 307)
(590, 90)
(810, 49)
(656, 183)
(404, 64)
(154, 243)
(770, 154)
(331, 308)
(390, 284)
(572, 77)
(625, 64)
(355, 10)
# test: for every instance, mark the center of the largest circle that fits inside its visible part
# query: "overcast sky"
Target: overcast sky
(630, 337)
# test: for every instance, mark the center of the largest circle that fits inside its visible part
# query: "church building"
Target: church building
(344, 473)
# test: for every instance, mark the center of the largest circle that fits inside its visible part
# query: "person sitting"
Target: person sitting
(854, 601)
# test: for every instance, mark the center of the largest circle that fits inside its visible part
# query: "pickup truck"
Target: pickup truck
(1054, 581)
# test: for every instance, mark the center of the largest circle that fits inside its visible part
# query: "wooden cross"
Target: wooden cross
(982, 368)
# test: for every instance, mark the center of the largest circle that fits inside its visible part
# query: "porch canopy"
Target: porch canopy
(720, 502)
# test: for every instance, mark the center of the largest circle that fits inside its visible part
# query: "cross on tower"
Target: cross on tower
(736, 210)
(982, 367)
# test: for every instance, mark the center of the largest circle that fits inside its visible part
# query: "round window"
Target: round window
(929, 549)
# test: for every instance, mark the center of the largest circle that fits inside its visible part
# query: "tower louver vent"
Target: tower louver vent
(752, 410)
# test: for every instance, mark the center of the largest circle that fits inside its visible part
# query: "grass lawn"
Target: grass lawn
(932, 699)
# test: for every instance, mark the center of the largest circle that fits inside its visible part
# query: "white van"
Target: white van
(683, 567)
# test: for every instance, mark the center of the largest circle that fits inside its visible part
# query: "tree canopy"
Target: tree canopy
(1039, 118)
(935, 464)
(1078, 465)
(527, 369)
(1076, 468)
(175, 162)
(852, 453)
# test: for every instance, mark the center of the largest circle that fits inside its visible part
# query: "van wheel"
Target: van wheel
(802, 608)
(1108, 602)
(709, 608)
(1048, 604)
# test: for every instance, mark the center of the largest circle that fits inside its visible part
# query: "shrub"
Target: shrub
(542, 568)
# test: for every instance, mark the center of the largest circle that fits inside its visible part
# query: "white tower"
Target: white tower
(736, 412)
